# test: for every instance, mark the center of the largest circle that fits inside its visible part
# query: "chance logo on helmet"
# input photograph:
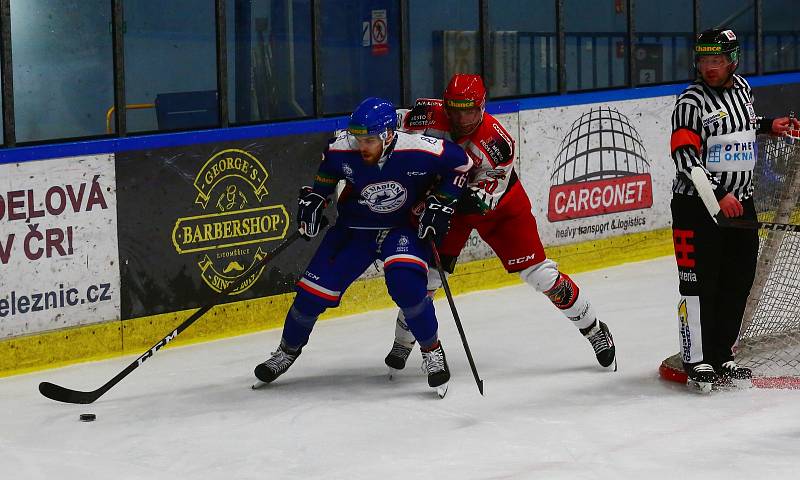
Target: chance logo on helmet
(708, 49)
(373, 116)
(718, 42)
(465, 91)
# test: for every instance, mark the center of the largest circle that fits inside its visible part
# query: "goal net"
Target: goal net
(769, 341)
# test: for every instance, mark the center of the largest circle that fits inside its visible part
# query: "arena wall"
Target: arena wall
(120, 240)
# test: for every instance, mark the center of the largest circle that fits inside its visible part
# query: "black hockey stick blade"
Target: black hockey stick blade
(706, 192)
(457, 319)
(67, 395)
(755, 225)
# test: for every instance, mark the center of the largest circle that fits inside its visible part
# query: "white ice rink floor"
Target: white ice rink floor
(549, 411)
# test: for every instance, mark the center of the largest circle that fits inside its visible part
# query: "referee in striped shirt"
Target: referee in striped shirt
(714, 127)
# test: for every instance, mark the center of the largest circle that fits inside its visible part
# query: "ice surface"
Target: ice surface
(549, 412)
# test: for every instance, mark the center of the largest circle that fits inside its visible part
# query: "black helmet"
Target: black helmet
(717, 41)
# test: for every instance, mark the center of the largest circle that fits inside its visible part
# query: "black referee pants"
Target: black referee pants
(716, 267)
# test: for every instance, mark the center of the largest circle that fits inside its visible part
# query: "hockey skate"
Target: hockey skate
(434, 364)
(397, 357)
(732, 375)
(404, 342)
(275, 366)
(701, 378)
(602, 343)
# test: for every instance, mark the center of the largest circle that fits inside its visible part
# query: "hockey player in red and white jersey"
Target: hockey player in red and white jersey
(495, 204)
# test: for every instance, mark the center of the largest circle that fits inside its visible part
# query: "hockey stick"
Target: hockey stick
(706, 192)
(755, 225)
(449, 294)
(67, 395)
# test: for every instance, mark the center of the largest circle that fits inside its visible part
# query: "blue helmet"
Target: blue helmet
(373, 116)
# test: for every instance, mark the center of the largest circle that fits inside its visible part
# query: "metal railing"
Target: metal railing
(131, 106)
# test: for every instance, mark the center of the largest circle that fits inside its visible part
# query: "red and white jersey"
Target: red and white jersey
(490, 147)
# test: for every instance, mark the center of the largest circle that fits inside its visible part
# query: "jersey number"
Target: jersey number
(460, 180)
(489, 185)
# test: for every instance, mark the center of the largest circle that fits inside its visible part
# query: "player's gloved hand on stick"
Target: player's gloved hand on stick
(476, 200)
(435, 219)
(785, 125)
(309, 213)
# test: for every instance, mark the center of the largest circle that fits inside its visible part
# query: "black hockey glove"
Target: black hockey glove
(309, 213)
(473, 201)
(435, 220)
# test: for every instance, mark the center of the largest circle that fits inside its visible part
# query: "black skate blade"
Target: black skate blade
(258, 385)
(392, 373)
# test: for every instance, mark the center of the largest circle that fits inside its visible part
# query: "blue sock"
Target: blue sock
(300, 320)
(408, 289)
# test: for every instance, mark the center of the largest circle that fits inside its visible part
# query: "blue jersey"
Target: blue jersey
(382, 196)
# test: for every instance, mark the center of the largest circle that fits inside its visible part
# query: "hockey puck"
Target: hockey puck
(88, 417)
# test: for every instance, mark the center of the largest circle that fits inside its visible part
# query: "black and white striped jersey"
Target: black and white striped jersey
(716, 130)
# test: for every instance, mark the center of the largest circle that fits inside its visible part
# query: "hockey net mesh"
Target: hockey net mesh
(769, 341)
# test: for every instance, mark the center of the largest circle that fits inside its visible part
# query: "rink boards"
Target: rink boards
(120, 240)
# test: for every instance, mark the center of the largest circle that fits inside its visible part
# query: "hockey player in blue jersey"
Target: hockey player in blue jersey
(387, 173)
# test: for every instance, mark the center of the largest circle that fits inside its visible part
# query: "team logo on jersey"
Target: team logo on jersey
(402, 244)
(383, 197)
(714, 118)
(228, 235)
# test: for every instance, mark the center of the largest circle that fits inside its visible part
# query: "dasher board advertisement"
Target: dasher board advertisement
(194, 219)
(58, 244)
(598, 170)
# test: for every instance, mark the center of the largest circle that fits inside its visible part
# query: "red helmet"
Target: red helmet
(465, 91)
